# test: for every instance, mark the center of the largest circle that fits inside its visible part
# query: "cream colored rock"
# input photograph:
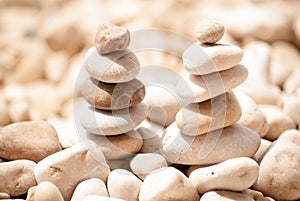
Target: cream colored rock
(278, 121)
(163, 104)
(200, 118)
(279, 169)
(142, 164)
(209, 31)
(93, 186)
(252, 117)
(19, 111)
(242, 172)
(17, 177)
(30, 193)
(114, 67)
(100, 198)
(124, 185)
(291, 135)
(202, 59)
(111, 122)
(167, 184)
(32, 140)
(292, 83)
(225, 196)
(196, 88)
(47, 191)
(256, 195)
(264, 145)
(65, 165)
(214, 147)
(118, 146)
(291, 107)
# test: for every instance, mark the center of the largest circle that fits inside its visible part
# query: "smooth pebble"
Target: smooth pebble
(209, 31)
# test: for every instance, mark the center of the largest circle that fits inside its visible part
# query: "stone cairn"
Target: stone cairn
(114, 94)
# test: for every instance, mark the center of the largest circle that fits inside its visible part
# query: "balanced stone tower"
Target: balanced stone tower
(205, 131)
(114, 94)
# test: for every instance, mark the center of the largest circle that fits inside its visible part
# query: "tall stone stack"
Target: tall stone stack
(205, 131)
(113, 93)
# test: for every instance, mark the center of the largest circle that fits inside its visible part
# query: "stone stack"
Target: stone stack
(205, 131)
(114, 94)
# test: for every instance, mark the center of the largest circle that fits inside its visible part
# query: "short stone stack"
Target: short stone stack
(205, 131)
(114, 94)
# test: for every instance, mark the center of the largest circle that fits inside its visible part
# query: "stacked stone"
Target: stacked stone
(206, 130)
(114, 94)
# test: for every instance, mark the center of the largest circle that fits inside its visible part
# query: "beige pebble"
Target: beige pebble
(107, 96)
(124, 185)
(30, 193)
(110, 38)
(278, 121)
(47, 191)
(118, 146)
(252, 117)
(200, 118)
(291, 107)
(114, 67)
(291, 135)
(32, 140)
(18, 111)
(264, 144)
(225, 196)
(4, 196)
(202, 59)
(100, 198)
(279, 171)
(214, 147)
(256, 195)
(93, 186)
(209, 31)
(167, 184)
(17, 177)
(292, 83)
(66, 163)
(142, 164)
(111, 123)
(163, 104)
(4, 117)
(242, 172)
(195, 88)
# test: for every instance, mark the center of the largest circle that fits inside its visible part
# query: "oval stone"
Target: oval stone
(115, 67)
(200, 118)
(106, 96)
(214, 147)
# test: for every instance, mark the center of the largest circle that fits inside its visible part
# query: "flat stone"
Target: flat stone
(106, 96)
(114, 67)
(225, 196)
(47, 191)
(110, 38)
(17, 177)
(167, 184)
(32, 140)
(65, 165)
(196, 88)
(209, 31)
(108, 123)
(200, 118)
(118, 146)
(242, 172)
(202, 59)
(215, 147)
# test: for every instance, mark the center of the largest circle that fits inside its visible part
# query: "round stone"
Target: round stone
(209, 31)
(106, 96)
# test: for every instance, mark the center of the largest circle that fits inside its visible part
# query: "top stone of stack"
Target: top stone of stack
(209, 31)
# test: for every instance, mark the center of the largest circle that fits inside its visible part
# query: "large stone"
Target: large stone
(214, 147)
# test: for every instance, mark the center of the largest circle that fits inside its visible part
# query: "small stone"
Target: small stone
(291, 135)
(100, 198)
(209, 31)
(106, 96)
(110, 38)
(196, 88)
(225, 196)
(167, 184)
(124, 185)
(93, 186)
(217, 146)
(17, 177)
(279, 171)
(202, 59)
(200, 118)
(264, 145)
(118, 146)
(47, 191)
(114, 67)
(142, 164)
(32, 140)
(66, 163)
(4, 196)
(242, 172)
